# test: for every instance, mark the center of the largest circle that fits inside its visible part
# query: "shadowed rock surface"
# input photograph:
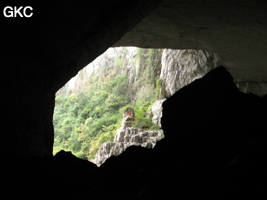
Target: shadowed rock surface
(218, 154)
(43, 52)
(215, 145)
(205, 156)
(179, 68)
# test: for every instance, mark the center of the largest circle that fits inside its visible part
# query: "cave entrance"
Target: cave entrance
(115, 101)
(110, 101)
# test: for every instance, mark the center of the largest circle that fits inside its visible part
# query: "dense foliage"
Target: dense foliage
(85, 119)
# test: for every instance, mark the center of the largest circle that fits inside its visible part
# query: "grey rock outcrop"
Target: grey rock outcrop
(156, 110)
(181, 67)
(257, 88)
(126, 137)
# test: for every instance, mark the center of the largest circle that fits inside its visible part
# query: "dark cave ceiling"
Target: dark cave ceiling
(236, 30)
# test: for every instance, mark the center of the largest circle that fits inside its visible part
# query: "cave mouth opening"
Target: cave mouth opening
(110, 101)
(116, 101)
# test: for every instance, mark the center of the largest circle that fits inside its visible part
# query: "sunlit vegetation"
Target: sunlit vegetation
(85, 119)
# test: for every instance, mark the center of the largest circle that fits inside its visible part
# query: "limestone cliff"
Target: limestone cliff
(150, 71)
(181, 67)
(156, 110)
(167, 70)
(111, 58)
(140, 65)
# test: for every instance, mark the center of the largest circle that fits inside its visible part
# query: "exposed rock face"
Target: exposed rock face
(126, 137)
(125, 134)
(102, 62)
(107, 60)
(256, 88)
(181, 67)
(156, 110)
(133, 135)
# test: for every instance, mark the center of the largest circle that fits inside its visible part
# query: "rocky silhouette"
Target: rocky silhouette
(214, 148)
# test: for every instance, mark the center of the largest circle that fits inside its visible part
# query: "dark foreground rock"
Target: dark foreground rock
(215, 147)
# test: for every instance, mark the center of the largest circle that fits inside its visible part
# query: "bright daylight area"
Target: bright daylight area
(112, 95)
(116, 101)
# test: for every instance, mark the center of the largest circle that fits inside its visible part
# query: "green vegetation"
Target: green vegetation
(83, 120)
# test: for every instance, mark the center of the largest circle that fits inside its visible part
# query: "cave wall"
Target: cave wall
(235, 30)
(43, 52)
(258, 88)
